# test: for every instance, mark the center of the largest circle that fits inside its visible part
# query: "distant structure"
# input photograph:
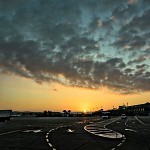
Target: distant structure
(140, 109)
(5, 115)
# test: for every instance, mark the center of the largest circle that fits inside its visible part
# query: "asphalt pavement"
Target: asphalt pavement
(136, 131)
(69, 133)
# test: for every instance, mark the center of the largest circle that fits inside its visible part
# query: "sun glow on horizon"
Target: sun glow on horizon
(27, 95)
(85, 111)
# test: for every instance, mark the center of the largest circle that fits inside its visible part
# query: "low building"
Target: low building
(140, 109)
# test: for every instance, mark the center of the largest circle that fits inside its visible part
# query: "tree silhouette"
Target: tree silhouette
(66, 113)
(69, 111)
(45, 113)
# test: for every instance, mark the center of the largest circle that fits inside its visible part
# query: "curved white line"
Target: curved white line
(47, 134)
(113, 134)
(50, 145)
(140, 120)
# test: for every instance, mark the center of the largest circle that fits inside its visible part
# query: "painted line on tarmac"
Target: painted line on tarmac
(126, 123)
(100, 130)
(140, 120)
(35, 131)
(131, 130)
(119, 144)
(123, 141)
(47, 138)
(124, 138)
(47, 135)
(111, 122)
(50, 145)
(10, 132)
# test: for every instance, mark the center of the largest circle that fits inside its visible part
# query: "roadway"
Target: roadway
(69, 134)
(136, 131)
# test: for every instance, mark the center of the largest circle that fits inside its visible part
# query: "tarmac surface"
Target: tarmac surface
(68, 133)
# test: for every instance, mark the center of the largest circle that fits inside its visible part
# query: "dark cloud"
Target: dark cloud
(147, 51)
(136, 43)
(123, 40)
(93, 25)
(69, 42)
(133, 34)
(142, 66)
(139, 22)
(138, 60)
(128, 70)
(122, 12)
(147, 75)
(128, 41)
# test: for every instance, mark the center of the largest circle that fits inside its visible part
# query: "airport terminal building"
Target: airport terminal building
(141, 109)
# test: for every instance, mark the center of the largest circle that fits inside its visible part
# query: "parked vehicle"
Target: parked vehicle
(105, 115)
(5, 115)
(123, 116)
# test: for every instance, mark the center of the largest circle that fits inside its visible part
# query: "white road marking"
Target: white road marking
(140, 121)
(126, 122)
(47, 140)
(50, 145)
(10, 132)
(100, 129)
(119, 144)
(35, 131)
(70, 131)
(130, 130)
(105, 132)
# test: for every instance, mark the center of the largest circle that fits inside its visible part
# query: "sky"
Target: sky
(75, 55)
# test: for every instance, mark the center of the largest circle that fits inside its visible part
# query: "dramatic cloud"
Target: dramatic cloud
(89, 44)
